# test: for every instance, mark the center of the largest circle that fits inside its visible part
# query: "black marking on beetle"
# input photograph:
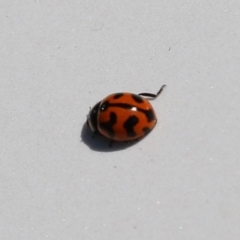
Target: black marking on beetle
(146, 130)
(105, 105)
(148, 113)
(108, 126)
(129, 125)
(118, 95)
(137, 98)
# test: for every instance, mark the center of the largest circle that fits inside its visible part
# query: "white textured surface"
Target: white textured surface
(58, 58)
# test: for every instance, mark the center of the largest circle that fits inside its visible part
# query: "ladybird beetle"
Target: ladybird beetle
(123, 116)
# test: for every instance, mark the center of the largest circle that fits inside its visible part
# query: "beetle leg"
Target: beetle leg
(111, 143)
(94, 134)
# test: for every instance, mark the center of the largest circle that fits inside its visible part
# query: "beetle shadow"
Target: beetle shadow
(101, 144)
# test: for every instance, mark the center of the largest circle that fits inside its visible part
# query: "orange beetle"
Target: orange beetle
(123, 116)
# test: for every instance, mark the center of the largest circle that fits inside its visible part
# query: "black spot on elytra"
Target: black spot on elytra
(129, 125)
(108, 126)
(150, 115)
(137, 98)
(146, 130)
(118, 95)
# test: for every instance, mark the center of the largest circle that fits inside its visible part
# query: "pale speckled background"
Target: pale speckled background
(58, 58)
